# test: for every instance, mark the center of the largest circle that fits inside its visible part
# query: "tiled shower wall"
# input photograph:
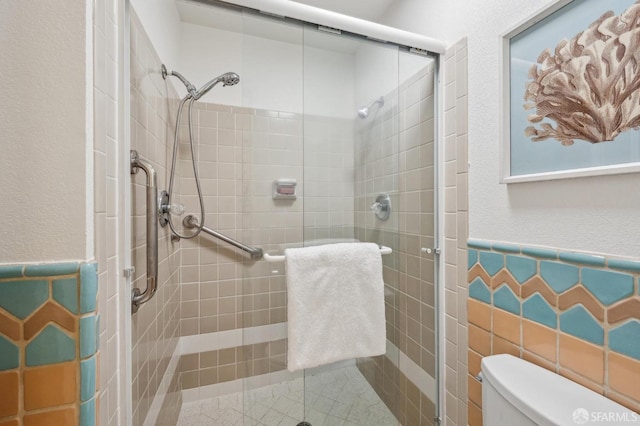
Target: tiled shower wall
(155, 328)
(395, 155)
(241, 152)
(575, 314)
(456, 219)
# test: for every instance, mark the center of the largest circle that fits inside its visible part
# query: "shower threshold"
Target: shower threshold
(332, 398)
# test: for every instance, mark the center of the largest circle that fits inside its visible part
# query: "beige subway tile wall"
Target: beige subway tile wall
(457, 335)
(241, 152)
(395, 154)
(155, 328)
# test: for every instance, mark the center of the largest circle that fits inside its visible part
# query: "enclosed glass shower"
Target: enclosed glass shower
(328, 137)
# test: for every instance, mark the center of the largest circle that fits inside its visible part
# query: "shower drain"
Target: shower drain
(304, 424)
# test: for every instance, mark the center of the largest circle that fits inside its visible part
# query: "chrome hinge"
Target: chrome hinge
(128, 272)
(437, 421)
(329, 29)
(274, 15)
(419, 51)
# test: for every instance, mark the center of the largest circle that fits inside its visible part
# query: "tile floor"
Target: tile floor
(333, 398)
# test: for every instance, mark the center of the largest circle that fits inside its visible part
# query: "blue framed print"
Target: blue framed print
(571, 92)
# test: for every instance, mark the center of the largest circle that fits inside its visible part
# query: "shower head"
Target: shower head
(364, 111)
(227, 79)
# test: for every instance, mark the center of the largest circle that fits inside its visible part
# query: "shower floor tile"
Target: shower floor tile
(333, 398)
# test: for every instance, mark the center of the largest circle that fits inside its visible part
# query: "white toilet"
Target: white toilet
(518, 393)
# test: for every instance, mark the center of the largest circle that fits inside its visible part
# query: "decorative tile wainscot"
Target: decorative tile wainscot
(576, 314)
(48, 344)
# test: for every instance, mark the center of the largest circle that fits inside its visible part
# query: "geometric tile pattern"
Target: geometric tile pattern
(40, 334)
(623, 339)
(50, 346)
(584, 300)
(537, 309)
(578, 322)
(505, 299)
(573, 313)
(337, 397)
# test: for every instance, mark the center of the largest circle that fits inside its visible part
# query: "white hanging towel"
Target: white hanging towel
(335, 303)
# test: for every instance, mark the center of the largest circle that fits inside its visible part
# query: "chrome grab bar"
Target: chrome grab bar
(137, 296)
(191, 221)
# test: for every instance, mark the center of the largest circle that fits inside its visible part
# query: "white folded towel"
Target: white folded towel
(335, 303)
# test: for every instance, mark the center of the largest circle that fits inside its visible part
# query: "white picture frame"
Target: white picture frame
(517, 163)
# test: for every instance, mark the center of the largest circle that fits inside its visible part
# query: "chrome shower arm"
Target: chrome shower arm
(190, 87)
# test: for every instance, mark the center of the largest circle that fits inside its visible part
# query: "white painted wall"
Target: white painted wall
(329, 79)
(161, 22)
(593, 214)
(43, 123)
(380, 69)
(273, 73)
(207, 53)
(268, 56)
(377, 72)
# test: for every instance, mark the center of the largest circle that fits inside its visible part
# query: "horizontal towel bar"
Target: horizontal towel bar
(280, 258)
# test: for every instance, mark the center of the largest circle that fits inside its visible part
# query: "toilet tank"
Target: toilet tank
(516, 392)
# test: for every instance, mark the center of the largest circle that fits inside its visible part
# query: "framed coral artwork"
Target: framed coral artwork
(571, 92)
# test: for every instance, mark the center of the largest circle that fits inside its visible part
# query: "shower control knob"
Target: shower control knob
(176, 209)
(382, 207)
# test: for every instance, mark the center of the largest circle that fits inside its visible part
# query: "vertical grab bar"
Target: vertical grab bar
(137, 296)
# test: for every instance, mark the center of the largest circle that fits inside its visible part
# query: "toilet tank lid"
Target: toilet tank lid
(545, 397)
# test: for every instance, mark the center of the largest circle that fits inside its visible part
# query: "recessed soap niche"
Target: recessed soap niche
(284, 189)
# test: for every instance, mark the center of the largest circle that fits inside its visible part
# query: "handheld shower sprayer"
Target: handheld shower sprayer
(227, 79)
(166, 206)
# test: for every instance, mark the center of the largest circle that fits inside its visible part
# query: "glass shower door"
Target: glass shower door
(369, 136)
(269, 128)
(351, 122)
(350, 159)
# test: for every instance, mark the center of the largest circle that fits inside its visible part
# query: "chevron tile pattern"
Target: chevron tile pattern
(576, 314)
(45, 375)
